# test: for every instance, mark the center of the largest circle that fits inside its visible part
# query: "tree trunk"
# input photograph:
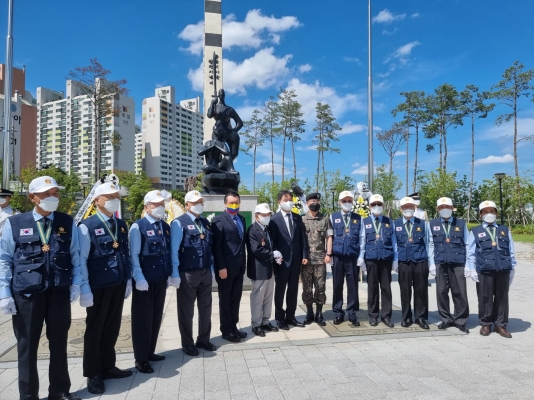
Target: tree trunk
(96, 135)
(516, 165)
(318, 163)
(416, 155)
(407, 158)
(440, 149)
(272, 154)
(294, 160)
(472, 166)
(444, 150)
(283, 157)
(324, 176)
(391, 163)
(254, 173)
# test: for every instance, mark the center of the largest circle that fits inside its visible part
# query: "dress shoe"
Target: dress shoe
(338, 320)
(319, 319)
(258, 331)
(388, 323)
(354, 321)
(309, 314)
(501, 330)
(232, 337)
(144, 367)
(422, 323)
(190, 350)
(294, 322)
(407, 323)
(156, 357)
(116, 373)
(485, 330)
(206, 346)
(64, 396)
(461, 328)
(241, 334)
(95, 385)
(444, 325)
(282, 325)
(373, 322)
(269, 328)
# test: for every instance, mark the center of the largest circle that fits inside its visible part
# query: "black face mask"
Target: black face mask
(314, 207)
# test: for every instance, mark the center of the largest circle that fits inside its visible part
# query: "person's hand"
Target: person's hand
(432, 270)
(277, 254)
(8, 306)
(327, 259)
(512, 274)
(467, 271)
(223, 273)
(74, 292)
(86, 300)
(395, 266)
(474, 275)
(142, 285)
(360, 262)
(304, 261)
(214, 100)
(278, 261)
(175, 282)
(363, 267)
(128, 290)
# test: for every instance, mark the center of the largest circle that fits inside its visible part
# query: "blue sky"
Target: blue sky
(318, 48)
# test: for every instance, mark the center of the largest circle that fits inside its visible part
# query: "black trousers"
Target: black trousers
(147, 313)
(416, 274)
(344, 267)
(103, 324)
(286, 285)
(450, 277)
(53, 307)
(379, 275)
(195, 286)
(492, 291)
(230, 291)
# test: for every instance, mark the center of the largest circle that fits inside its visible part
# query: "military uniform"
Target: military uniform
(5, 211)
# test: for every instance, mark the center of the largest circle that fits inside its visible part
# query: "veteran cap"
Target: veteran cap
(444, 201)
(376, 198)
(192, 196)
(106, 188)
(42, 184)
(406, 200)
(313, 196)
(344, 194)
(487, 204)
(154, 196)
(262, 208)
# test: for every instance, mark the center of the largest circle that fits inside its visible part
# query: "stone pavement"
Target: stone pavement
(306, 363)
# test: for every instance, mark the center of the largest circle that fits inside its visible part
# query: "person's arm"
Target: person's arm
(512, 250)
(77, 277)
(329, 240)
(362, 241)
(135, 250)
(85, 247)
(427, 239)
(466, 241)
(471, 247)
(430, 247)
(177, 234)
(305, 244)
(7, 248)
(394, 243)
(218, 243)
(258, 248)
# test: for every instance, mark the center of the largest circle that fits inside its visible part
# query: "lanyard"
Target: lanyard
(447, 232)
(200, 228)
(492, 235)
(113, 236)
(347, 224)
(409, 230)
(45, 237)
(377, 230)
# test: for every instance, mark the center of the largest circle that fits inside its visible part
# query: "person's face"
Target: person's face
(346, 199)
(488, 210)
(221, 94)
(8, 200)
(232, 200)
(313, 201)
(376, 203)
(150, 206)
(445, 206)
(190, 204)
(285, 197)
(37, 197)
(101, 200)
(408, 207)
(258, 215)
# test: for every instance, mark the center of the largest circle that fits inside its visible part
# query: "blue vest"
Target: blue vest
(195, 253)
(492, 258)
(33, 269)
(346, 243)
(416, 249)
(448, 252)
(155, 256)
(382, 248)
(107, 266)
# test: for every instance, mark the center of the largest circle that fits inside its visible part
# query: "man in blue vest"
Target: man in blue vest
(491, 259)
(379, 250)
(345, 252)
(39, 277)
(448, 263)
(412, 247)
(150, 259)
(107, 282)
(191, 254)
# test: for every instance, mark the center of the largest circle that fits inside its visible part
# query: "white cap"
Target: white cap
(262, 208)
(42, 184)
(192, 196)
(344, 194)
(376, 198)
(487, 204)
(154, 196)
(407, 200)
(106, 188)
(444, 201)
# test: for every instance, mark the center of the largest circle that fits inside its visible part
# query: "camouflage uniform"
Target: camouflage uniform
(314, 273)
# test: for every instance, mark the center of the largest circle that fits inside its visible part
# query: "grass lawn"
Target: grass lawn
(523, 238)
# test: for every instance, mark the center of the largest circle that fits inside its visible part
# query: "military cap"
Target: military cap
(313, 196)
(6, 192)
(416, 194)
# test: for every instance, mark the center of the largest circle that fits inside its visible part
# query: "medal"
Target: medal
(448, 240)
(159, 232)
(493, 237)
(115, 245)
(263, 242)
(378, 236)
(410, 240)
(45, 236)
(201, 236)
(347, 230)
(494, 244)
(45, 248)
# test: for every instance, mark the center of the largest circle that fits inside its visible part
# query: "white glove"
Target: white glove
(474, 275)
(395, 266)
(360, 262)
(142, 285)
(128, 290)
(74, 292)
(278, 261)
(8, 306)
(512, 273)
(277, 254)
(432, 269)
(175, 282)
(467, 271)
(86, 300)
(364, 267)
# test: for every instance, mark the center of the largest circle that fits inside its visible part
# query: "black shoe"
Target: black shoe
(373, 322)
(388, 323)
(309, 315)
(190, 350)
(462, 328)
(319, 319)
(64, 396)
(444, 325)
(293, 321)
(269, 328)
(232, 337)
(354, 321)
(156, 357)
(241, 334)
(95, 385)
(422, 323)
(116, 373)
(258, 331)
(407, 323)
(282, 325)
(144, 367)
(339, 320)
(206, 346)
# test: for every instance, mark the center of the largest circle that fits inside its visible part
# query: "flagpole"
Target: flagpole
(370, 104)
(7, 98)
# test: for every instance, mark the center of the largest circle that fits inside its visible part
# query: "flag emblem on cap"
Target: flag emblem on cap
(197, 194)
(48, 181)
(443, 200)
(486, 203)
(112, 186)
(158, 194)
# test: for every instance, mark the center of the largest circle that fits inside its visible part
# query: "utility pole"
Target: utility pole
(6, 171)
(370, 103)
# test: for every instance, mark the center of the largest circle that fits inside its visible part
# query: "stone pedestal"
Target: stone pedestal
(220, 183)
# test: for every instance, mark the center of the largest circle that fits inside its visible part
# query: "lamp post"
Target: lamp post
(333, 190)
(84, 183)
(500, 176)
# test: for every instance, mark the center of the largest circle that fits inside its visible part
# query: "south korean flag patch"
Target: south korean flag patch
(398, 228)
(368, 226)
(150, 233)
(437, 228)
(99, 231)
(482, 234)
(26, 232)
(190, 227)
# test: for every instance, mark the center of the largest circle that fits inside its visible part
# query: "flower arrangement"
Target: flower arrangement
(361, 207)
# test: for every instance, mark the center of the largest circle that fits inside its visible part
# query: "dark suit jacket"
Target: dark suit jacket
(260, 259)
(294, 248)
(228, 248)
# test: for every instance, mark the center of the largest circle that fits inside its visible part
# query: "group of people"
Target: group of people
(47, 262)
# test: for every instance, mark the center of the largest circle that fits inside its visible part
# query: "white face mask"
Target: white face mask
(3, 201)
(408, 213)
(490, 218)
(445, 213)
(286, 205)
(49, 204)
(417, 202)
(377, 210)
(112, 205)
(264, 220)
(158, 212)
(197, 209)
(346, 206)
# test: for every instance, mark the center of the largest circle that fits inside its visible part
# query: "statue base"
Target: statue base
(220, 183)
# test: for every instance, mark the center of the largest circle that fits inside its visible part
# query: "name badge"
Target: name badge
(191, 227)
(337, 220)
(99, 231)
(437, 228)
(368, 226)
(150, 233)
(26, 232)
(398, 228)
(483, 234)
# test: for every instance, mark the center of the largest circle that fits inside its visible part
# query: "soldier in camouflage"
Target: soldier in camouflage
(319, 232)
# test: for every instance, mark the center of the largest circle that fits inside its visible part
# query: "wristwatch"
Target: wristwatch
(329, 255)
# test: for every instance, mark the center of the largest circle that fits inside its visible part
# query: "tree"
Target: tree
(387, 184)
(93, 82)
(326, 129)
(291, 123)
(391, 140)
(271, 116)
(254, 134)
(138, 185)
(337, 184)
(436, 184)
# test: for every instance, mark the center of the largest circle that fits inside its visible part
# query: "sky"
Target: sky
(317, 48)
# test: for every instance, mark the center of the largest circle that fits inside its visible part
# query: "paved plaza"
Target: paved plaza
(307, 363)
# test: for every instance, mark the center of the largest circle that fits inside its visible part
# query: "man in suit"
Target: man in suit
(260, 264)
(230, 262)
(288, 235)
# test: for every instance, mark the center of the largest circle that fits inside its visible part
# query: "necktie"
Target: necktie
(111, 223)
(238, 226)
(45, 223)
(290, 224)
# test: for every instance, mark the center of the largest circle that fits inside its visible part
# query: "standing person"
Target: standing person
(412, 247)
(39, 277)
(419, 213)
(319, 234)
(229, 255)
(5, 208)
(107, 282)
(378, 245)
(150, 259)
(346, 250)
(290, 244)
(491, 259)
(448, 263)
(191, 254)
(260, 267)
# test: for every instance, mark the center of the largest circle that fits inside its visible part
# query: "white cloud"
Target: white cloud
(525, 127)
(400, 153)
(267, 169)
(386, 16)
(305, 68)
(354, 60)
(349, 128)
(414, 15)
(386, 32)
(312, 147)
(360, 170)
(507, 158)
(406, 49)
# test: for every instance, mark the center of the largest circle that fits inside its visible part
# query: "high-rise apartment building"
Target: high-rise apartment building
(172, 135)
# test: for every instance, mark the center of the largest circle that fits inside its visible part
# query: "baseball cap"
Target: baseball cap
(192, 196)
(106, 188)
(487, 204)
(42, 184)
(407, 200)
(444, 201)
(154, 196)
(262, 208)
(376, 198)
(344, 194)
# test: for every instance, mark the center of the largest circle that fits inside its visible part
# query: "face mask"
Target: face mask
(346, 206)
(314, 207)
(417, 202)
(286, 205)
(232, 208)
(408, 213)
(49, 204)
(3, 201)
(112, 205)
(490, 218)
(377, 210)
(158, 212)
(264, 220)
(197, 209)
(445, 213)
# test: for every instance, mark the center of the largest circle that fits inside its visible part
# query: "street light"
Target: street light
(500, 176)
(333, 190)
(84, 182)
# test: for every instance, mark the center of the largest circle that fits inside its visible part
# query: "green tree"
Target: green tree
(337, 183)
(433, 185)
(271, 116)
(391, 140)
(254, 133)
(267, 192)
(291, 123)
(138, 185)
(387, 184)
